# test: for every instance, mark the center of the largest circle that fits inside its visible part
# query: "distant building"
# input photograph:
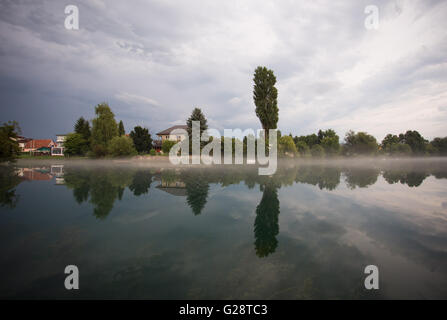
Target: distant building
(60, 139)
(167, 135)
(36, 146)
(22, 142)
(58, 149)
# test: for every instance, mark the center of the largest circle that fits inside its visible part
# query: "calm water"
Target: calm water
(224, 233)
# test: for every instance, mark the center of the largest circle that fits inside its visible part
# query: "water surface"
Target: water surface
(153, 232)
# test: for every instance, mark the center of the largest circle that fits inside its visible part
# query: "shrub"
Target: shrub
(98, 150)
(75, 144)
(152, 152)
(303, 149)
(167, 145)
(317, 151)
(400, 149)
(121, 146)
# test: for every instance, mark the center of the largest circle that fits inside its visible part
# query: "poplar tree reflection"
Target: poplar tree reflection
(266, 221)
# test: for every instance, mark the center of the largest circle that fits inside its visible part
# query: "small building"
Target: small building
(39, 146)
(58, 149)
(168, 135)
(60, 139)
(22, 142)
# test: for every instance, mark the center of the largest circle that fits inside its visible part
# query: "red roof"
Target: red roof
(36, 144)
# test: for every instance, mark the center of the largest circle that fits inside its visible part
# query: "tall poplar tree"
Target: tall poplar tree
(265, 97)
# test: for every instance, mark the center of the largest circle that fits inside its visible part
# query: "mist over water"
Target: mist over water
(146, 229)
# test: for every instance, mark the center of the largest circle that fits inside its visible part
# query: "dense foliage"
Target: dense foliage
(121, 146)
(9, 147)
(265, 97)
(141, 139)
(121, 131)
(167, 145)
(104, 129)
(75, 144)
(360, 143)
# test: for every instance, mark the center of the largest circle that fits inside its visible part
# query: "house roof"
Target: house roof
(174, 191)
(36, 144)
(21, 139)
(169, 130)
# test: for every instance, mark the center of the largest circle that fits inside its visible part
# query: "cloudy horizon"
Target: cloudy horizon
(154, 61)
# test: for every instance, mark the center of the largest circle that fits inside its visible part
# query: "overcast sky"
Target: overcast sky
(154, 61)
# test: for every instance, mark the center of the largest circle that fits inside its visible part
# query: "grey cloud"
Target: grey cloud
(183, 55)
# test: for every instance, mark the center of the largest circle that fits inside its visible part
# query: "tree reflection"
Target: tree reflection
(266, 221)
(9, 180)
(361, 177)
(325, 177)
(141, 183)
(197, 188)
(412, 179)
(101, 186)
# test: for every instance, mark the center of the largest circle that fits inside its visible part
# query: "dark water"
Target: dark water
(225, 233)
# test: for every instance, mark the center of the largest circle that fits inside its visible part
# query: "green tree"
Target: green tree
(400, 149)
(360, 143)
(75, 144)
(388, 141)
(303, 149)
(309, 140)
(121, 131)
(287, 146)
(167, 145)
(317, 151)
(329, 140)
(82, 127)
(122, 146)
(141, 139)
(104, 129)
(196, 115)
(439, 146)
(415, 140)
(9, 147)
(265, 97)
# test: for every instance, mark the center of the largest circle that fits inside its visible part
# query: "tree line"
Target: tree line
(106, 137)
(327, 144)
